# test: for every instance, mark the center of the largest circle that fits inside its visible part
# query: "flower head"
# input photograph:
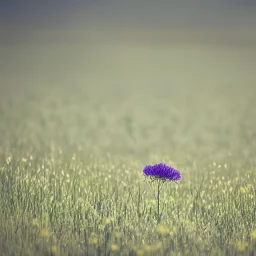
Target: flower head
(162, 171)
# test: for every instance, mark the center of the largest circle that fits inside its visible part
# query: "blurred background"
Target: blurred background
(129, 77)
(234, 20)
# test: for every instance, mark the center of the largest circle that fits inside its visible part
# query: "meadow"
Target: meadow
(78, 122)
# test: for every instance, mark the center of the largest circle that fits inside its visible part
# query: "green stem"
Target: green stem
(158, 201)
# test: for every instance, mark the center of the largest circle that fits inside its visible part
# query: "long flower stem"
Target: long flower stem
(158, 201)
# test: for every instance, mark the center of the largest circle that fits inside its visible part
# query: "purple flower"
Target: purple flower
(162, 171)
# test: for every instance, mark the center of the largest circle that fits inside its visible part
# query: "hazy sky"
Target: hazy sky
(80, 13)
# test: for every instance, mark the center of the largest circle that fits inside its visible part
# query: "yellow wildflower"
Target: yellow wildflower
(140, 252)
(253, 234)
(55, 251)
(45, 232)
(114, 247)
(241, 245)
(162, 229)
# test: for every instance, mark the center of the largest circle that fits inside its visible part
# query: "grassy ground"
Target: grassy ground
(79, 122)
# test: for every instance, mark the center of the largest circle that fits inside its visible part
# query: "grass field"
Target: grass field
(78, 122)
